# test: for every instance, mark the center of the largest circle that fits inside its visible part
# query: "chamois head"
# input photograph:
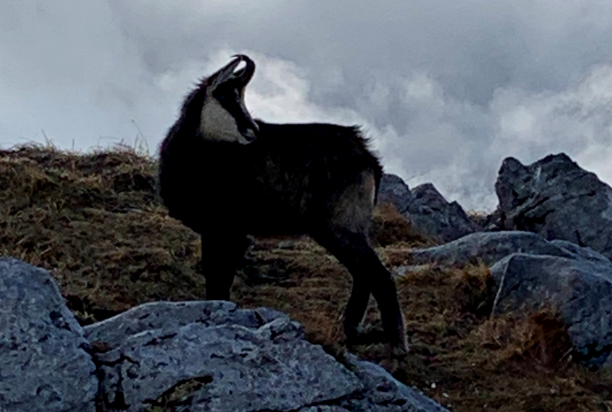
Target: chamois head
(224, 116)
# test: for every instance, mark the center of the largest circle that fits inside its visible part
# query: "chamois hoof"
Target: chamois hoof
(399, 351)
(395, 354)
(351, 336)
(390, 364)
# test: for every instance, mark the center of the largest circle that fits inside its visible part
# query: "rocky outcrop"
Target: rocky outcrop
(395, 191)
(557, 199)
(44, 364)
(532, 273)
(230, 368)
(426, 209)
(184, 356)
(200, 356)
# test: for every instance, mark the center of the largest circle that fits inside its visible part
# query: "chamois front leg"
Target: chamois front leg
(221, 256)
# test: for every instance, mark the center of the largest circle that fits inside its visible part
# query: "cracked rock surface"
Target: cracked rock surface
(211, 356)
(44, 365)
(557, 199)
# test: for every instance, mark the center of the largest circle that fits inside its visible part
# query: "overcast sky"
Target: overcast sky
(445, 89)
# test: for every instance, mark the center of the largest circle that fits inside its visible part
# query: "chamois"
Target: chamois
(226, 175)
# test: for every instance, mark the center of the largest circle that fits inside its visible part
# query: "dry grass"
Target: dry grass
(390, 228)
(93, 220)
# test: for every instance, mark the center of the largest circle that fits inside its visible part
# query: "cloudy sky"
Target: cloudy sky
(445, 89)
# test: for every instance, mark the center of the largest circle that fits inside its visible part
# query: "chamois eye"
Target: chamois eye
(228, 96)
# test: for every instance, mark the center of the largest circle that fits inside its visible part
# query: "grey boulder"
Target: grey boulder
(394, 190)
(488, 248)
(211, 356)
(44, 364)
(112, 332)
(557, 199)
(580, 289)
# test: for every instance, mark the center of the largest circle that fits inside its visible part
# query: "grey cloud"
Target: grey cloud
(445, 89)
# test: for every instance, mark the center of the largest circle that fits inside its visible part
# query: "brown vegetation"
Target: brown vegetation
(389, 227)
(93, 220)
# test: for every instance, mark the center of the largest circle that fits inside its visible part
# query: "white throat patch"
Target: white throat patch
(217, 123)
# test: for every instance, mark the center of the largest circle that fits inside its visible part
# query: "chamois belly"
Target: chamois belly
(276, 214)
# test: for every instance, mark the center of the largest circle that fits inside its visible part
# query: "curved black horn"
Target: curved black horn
(246, 73)
(225, 73)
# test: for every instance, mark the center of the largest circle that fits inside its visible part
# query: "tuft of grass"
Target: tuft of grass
(389, 227)
(475, 289)
(94, 221)
(544, 341)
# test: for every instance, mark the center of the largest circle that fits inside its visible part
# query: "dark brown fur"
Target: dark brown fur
(314, 179)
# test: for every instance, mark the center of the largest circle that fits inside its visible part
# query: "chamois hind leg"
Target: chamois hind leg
(369, 275)
(221, 256)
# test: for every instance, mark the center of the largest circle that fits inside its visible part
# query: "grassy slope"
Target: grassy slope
(94, 221)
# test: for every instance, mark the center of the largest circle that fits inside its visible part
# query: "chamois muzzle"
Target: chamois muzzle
(251, 131)
(248, 127)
